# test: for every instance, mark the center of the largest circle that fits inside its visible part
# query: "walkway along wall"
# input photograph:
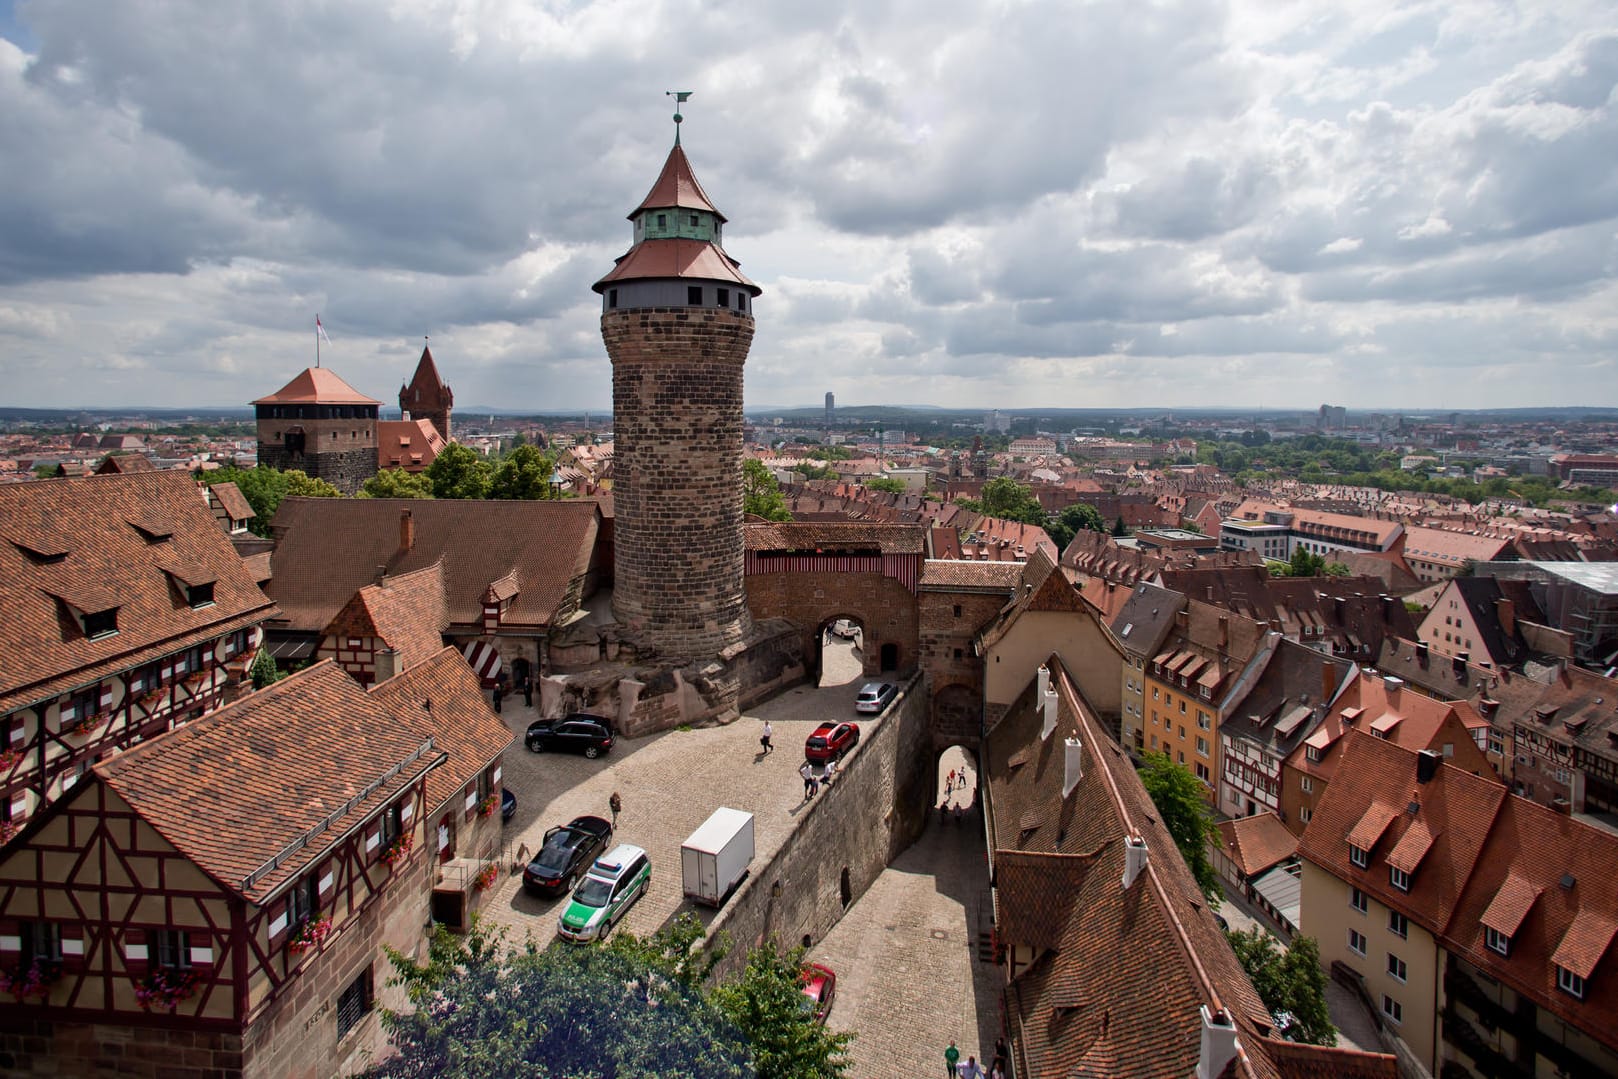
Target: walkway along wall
(801, 891)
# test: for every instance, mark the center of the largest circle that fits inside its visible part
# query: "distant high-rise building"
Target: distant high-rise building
(831, 408)
(995, 422)
(1332, 418)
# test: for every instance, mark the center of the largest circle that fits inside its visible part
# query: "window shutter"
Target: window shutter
(497, 773)
(106, 697)
(202, 954)
(168, 669)
(407, 810)
(328, 878)
(373, 842)
(471, 800)
(278, 922)
(10, 938)
(19, 729)
(70, 712)
(135, 946)
(73, 946)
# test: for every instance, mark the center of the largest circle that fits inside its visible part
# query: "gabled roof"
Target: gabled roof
(676, 187)
(235, 789)
(405, 612)
(73, 540)
(1257, 843)
(832, 538)
(1294, 678)
(317, 386)
(1147, 618)
(408, 444)
(444, 698)
(329, 548)
(235, 503)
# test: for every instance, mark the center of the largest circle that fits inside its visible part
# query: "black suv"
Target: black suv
(578, 733)
(568, 851)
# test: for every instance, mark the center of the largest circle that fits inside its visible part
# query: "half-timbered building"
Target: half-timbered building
(127, 613)
(215, 901)
(388, 627)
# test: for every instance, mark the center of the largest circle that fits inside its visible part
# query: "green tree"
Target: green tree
(397, 483)
(1007, 499)
(1178, 796)
(766, 1003)
(1291, 983)
(1080, 516)
(459, 472)
(263, 487)
(264, 672)
(524, 474)
(479, 1012)
(44, 472)
(885, 483)
(761, 495)
(1119, 528)
(1305, 563)
(303, 485)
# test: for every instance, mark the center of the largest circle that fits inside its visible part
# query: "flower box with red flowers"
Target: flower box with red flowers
(309, 935)
(82, 725)
(486, 806)
(33, 980)
(399, 849)
(486, 877)
(165, 989)
(8, 828)
(10, 757)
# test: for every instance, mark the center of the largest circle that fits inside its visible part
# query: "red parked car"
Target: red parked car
(829, 741)
(819, 987)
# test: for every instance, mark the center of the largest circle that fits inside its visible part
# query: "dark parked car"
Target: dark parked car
(566, 853)
(830, 740)
(578, 733)
(508, 804)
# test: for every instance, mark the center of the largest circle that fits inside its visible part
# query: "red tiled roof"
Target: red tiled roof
(408, 444)
(329, 548)
(239, 786)
(1257, 843)
(234, 502)
(86, 551)
(1585, 942)
(695, 259)
(948, 573)
(804, 536)
(406, 612)
(1510, 905)
(1412, 847)
(426, 387)
(317, 386)
(676, 187)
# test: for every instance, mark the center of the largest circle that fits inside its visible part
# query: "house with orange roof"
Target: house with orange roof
(220, 896)
(1385, 708)
(128, 613)
(1112, 962)
(1478, 923)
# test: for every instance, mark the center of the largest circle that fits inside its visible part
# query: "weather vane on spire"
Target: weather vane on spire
(679, 97)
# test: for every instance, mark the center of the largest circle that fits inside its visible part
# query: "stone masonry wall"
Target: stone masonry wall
(884, 608)
(30, 1047)
(951, 665)
(677, 419)
(860, 823)
(344, 469)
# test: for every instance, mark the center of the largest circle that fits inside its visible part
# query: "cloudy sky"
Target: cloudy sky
(993, 203)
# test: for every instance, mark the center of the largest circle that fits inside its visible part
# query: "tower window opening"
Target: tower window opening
(662, 221)
(693, 219)
(724, 298)
(693, 295)
(741, 301)
(612, 297)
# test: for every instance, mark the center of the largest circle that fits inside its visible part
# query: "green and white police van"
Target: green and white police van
(614, 882)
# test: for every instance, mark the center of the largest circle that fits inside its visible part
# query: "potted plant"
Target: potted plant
(486, 877)
(34, 980)
(309, 935)
(486, 806)
(82, 725)
(10, 757)
(165, 988)
(399, 849)
(8, 828)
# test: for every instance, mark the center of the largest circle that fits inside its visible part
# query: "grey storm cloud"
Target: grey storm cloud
(951, 202)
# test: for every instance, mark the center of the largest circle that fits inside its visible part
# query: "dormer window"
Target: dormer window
(99, 624)
(1359, 856)
(1569, 983)
(1496, 941)
(1399, 879)
(200, 595)
(1312, 753)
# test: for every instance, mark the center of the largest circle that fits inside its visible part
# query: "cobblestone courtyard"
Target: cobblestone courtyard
(908, 981)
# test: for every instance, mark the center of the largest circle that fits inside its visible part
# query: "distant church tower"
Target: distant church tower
(320, 425)
(676, 317)
(426, 397)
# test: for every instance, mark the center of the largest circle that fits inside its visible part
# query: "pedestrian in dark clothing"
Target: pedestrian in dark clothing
(499, 695)
(526, 684)
(1000, 1054)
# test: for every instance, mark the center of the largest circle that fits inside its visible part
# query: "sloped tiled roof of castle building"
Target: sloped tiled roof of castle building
(674, 257)
(84, 545)
(411, 445)
(676, 187)
(1120, 974)
(1258, 842)
(809, 536)
(444, 698)
(329, 548)
(406, 613)
(234, 789)
(317, 386)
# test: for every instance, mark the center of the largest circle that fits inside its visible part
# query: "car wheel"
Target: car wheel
(592, 752)
(536, 746)
(572, 882)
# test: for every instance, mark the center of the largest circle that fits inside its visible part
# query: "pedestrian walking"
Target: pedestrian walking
(971, 1069)
(1001, 1052)
(949, 781)
(951, 1055)
(499, 695)
(526, 684)
(808, 775)
(764, 739)
(997, 1071)
(831, 770)
(616, 804)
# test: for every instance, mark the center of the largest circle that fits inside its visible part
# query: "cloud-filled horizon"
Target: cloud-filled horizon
(1012, 205)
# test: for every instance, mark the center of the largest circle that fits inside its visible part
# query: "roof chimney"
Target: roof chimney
(1044, 680)
(1224, 631)
(1048, 703)
(1218, 1045)
(1074, 766)
(1328, 682)
(1134, 858)
(387, 663)
(1421, 653)
(407, 532)
(1391, 685)
(1506, 611)
(1426, 765)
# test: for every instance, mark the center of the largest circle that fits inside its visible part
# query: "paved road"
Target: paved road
(669, 783)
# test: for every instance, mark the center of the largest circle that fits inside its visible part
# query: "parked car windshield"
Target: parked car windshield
(557, 852)
(594, 892)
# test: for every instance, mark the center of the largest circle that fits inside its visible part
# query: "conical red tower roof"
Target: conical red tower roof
(677, 186)
(426, 384)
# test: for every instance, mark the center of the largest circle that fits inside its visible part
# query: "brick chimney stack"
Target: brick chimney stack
(407, 532)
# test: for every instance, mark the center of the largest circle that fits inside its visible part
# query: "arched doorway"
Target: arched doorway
(841, 642)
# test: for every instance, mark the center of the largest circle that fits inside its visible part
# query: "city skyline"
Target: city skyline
(1400, 206)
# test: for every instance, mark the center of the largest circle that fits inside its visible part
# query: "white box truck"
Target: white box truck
(716, 856)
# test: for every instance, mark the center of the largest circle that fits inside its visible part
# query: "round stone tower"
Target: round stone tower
(677, 319)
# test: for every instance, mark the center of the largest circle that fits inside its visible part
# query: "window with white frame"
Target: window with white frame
(1569, 982)
(1356, 942)
(1359, 856)
(1393, 1009)
(1399, 878)
(1306, 784)
(1357, 900)
(1496, 941)
(1398, 924)
(1396, 967)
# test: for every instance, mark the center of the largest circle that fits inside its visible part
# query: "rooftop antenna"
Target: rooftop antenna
(679, 97)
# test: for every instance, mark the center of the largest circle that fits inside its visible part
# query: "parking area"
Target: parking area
(668, 784)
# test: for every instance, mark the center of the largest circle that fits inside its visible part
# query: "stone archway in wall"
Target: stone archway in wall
(839, 654)
(956, 717)
(886, 611)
